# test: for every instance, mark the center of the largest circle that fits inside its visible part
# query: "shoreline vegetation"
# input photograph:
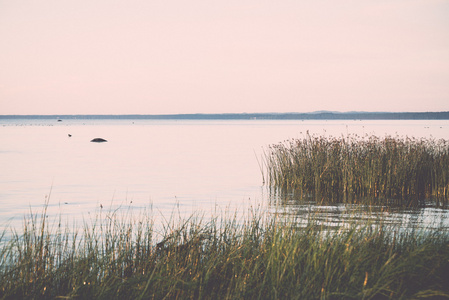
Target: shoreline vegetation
(318, 115)
(264, 255)
(352, 169)
(120, 256)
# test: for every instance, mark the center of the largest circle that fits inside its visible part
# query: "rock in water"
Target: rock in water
(98, 140)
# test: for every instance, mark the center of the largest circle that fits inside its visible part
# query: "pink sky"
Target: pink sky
(202, 56)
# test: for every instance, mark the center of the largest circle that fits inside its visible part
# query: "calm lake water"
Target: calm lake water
(164, 166)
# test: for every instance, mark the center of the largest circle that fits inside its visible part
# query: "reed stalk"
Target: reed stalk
(262, 257)
(352, 169)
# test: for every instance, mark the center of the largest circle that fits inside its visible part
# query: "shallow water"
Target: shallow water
(165, 166)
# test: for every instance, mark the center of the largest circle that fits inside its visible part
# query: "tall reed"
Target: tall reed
(118, 257)
(406, 171)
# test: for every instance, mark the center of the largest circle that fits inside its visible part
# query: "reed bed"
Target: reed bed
(261, 257)
(352, 169)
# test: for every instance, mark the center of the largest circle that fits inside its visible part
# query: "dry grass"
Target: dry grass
(263, 257)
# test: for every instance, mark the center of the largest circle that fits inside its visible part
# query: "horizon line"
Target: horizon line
(232, 113)
(320, 115)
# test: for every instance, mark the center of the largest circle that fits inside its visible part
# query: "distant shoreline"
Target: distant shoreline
(322, 115)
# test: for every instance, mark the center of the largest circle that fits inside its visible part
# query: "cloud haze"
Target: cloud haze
(160, 57)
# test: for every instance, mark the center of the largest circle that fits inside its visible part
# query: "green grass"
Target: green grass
(390, 170)
(122, 256)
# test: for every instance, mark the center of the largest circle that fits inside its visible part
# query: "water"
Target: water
(164, 166)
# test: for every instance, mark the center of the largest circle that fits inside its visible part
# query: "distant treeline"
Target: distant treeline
(262, 116)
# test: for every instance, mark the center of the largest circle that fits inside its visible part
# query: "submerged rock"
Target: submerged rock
(98, 140)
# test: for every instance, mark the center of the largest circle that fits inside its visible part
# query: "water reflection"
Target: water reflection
(303, 209)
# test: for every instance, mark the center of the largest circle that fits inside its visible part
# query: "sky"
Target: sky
(233, 56)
